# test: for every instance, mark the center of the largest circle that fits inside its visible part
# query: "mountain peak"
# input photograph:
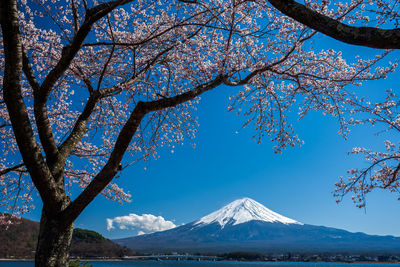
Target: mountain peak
(244, 210)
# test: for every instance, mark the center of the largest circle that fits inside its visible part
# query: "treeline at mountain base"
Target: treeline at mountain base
(18, 241)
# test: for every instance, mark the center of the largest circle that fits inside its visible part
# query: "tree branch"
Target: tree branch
(110, 169)
(394, 177)
(19, 118)
(79, 128)
(364, 36)
(75, 15)
(4, 125)
(28, 71)
(265, 68)
(10, 169)
(68, 53)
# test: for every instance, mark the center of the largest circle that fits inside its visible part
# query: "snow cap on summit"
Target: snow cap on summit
(244, 210)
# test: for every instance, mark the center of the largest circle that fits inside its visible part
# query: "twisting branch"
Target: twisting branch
(364, 36)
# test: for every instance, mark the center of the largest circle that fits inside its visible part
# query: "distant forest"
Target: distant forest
(19, 241)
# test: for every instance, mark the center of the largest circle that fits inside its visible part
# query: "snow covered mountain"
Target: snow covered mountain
(247, 225)
(244, 210)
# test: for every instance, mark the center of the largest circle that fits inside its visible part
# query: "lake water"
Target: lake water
(207, 264)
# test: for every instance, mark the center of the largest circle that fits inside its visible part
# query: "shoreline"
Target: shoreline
(118, 260)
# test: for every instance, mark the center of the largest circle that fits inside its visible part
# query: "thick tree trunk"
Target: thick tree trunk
(53, 243)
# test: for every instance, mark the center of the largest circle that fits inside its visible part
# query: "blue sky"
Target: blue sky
(227, 164)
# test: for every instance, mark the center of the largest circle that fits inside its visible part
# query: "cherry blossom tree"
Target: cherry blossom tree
(91, 87)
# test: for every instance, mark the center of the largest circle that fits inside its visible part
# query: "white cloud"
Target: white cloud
(145, 223)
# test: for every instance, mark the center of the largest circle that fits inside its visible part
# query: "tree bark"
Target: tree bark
(53, 242)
